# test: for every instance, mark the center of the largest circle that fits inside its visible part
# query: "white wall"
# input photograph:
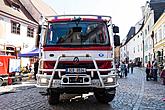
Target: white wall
(18, 40)
(148, 42)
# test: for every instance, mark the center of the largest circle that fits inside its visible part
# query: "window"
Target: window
(148, 27)
(30, 32)
(155, 37)
(134, 50)
(145, 31)
(138, 48)
(160, 34)
(164, 30)
(86, 33)
(15, 27)
(146, 58)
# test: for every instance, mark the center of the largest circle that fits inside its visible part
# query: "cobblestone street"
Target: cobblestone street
(134, 93)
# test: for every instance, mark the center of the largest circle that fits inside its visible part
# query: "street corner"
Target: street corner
(7, 89)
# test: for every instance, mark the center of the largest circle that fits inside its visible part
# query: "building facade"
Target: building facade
(148, 17)
(18, 28)
(148, 41)
(19, 20)
(159, 38)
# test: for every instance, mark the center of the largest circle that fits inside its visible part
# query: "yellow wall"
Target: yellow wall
(159, 24)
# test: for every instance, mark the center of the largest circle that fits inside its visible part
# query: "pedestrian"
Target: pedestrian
(148, 71)
(27, 68)
(36, 68)
(155, 69)
(126, 69)
(123, 69)
(127, 66)
(162, 75)
(131, 66)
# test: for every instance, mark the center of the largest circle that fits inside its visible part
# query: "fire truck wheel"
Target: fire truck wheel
(104, 96)
(53, 99)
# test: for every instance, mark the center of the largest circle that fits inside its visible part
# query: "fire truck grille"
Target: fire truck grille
(87, 66)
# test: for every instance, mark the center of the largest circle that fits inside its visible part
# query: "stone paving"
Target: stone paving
(134, 93)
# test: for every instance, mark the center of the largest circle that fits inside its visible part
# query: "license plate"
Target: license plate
(75, 80)
(76, 70)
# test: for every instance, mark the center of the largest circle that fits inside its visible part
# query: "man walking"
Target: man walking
(36, 68)
(155, 69)
(131, 66)
(123, 69)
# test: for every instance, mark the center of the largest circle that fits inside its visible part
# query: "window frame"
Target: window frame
(30, 32)
(14, 28)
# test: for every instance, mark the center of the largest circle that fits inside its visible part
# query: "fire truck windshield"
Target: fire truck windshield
(82, 33)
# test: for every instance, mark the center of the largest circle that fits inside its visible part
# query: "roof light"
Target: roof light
(83, 17)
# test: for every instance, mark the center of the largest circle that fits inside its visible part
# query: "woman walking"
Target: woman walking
(148, 70)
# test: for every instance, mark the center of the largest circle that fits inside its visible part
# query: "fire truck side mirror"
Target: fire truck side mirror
(116, 40)
(38, 36)
(115, 29)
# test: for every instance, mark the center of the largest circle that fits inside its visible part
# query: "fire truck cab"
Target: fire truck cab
(77, 56)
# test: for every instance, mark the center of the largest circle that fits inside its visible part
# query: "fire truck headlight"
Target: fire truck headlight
(110, 80)
(44, 80)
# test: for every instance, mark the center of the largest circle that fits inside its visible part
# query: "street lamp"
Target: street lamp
(143, 47)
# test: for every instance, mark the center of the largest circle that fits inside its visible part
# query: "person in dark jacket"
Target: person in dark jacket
(123, 69)
(148, 71)
(131, 66)
(36, 68)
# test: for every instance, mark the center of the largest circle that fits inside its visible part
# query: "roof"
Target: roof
(7, 10)
(158, 6)
(43, 8)
(157, 0)
(130, 34)
(38, 8)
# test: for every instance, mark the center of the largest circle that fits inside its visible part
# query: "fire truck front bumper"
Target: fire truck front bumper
(108, 81)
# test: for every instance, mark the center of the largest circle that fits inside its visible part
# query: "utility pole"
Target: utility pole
(143, 46)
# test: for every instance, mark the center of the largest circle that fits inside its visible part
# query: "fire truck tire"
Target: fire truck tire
(53, 99)
(104, 96)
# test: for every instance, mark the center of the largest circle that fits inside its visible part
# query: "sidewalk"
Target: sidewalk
(12, 88)
(159, 80)
(7, 89)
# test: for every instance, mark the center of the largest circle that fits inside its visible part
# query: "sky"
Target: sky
(124, 13)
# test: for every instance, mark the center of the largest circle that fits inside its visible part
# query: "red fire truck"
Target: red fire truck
(77, 56)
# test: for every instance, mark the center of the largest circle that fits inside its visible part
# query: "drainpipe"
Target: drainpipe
(152, 36)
